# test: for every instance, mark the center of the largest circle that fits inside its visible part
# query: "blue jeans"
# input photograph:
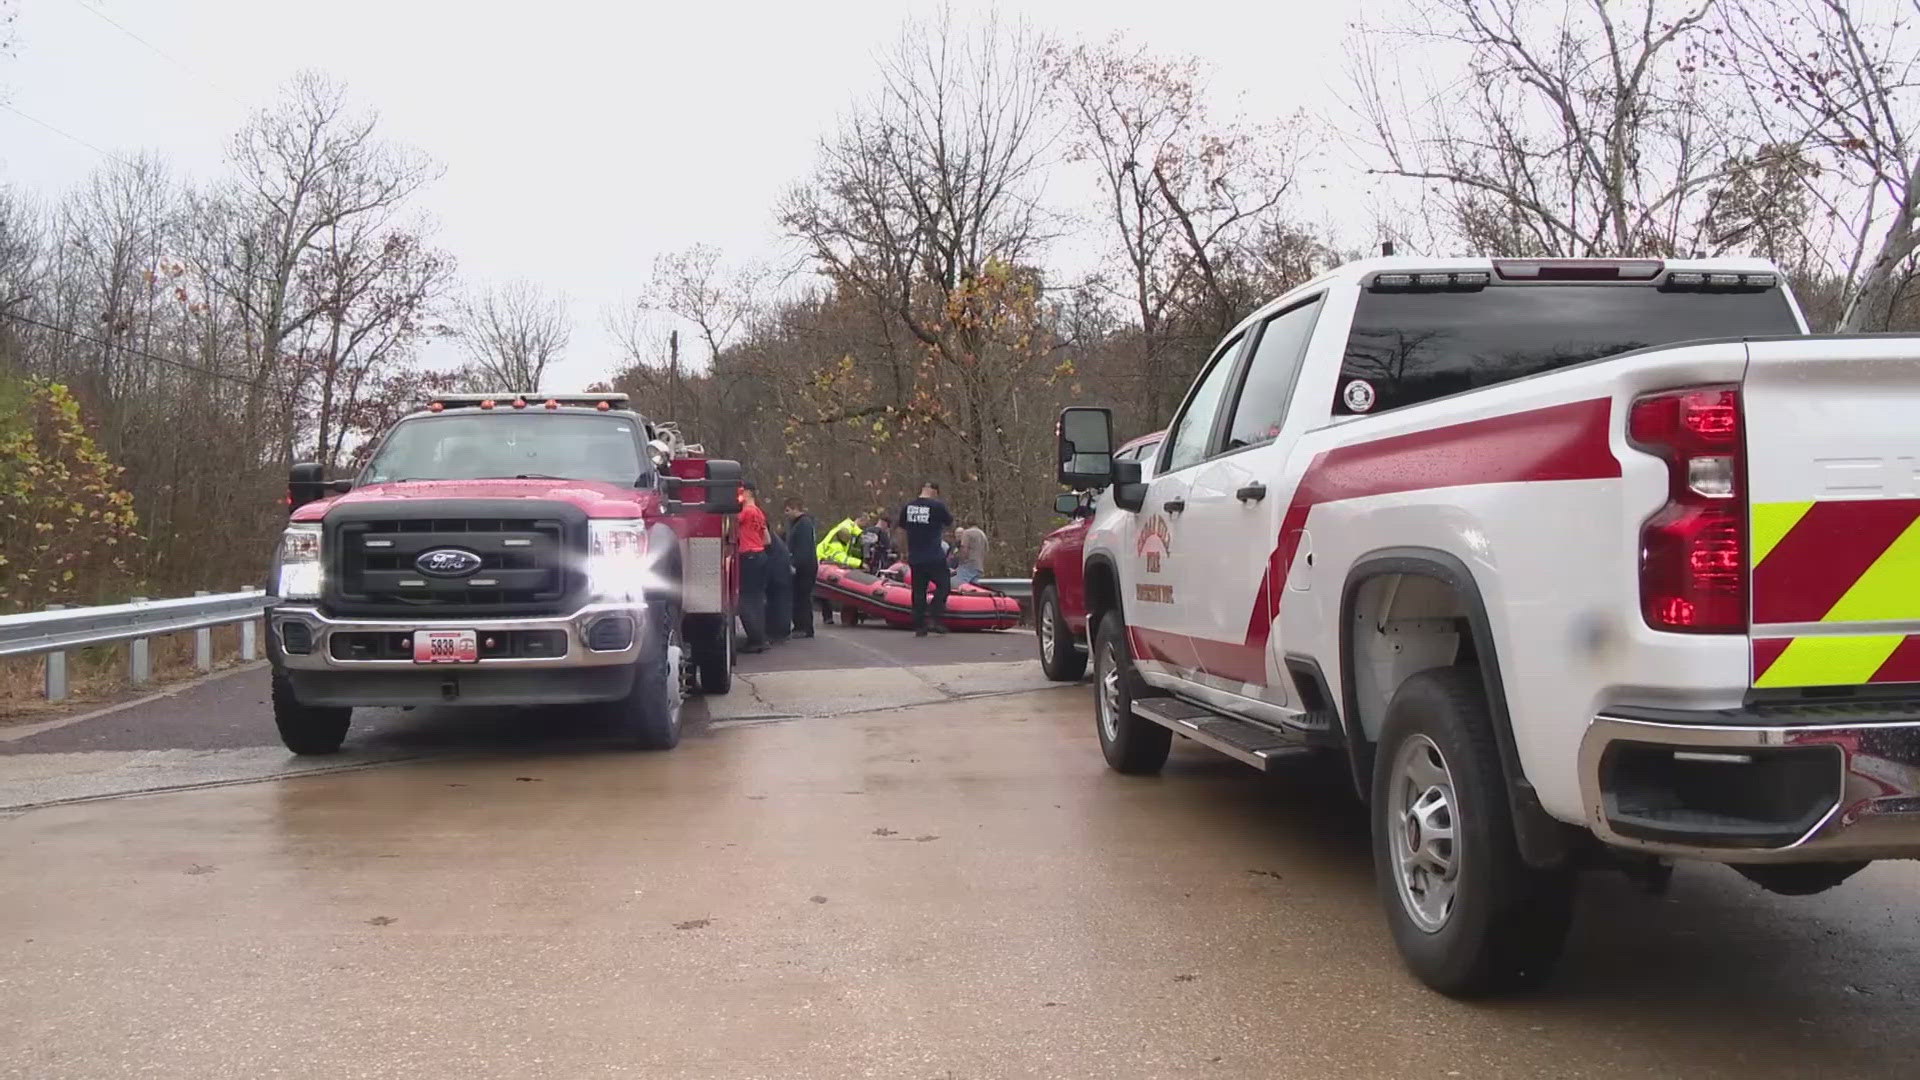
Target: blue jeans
(966, 575)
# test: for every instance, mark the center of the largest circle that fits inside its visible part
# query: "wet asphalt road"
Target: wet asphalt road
(957, 889)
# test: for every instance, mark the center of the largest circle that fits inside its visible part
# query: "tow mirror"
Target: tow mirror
(721, 488)
(1083, 442)
(1067, 505)
(305, 483)
(1129, 492)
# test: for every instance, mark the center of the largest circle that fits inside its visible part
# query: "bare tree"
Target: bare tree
(512, 333)
(303, 167)
(926, 205)
(1195, 205)
(19, 250)
(375, 286)
(697, 287)
(1577, 129)
(1837, 84)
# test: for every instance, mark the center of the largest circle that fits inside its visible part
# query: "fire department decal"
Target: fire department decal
(1358, 396)
(1154, 540)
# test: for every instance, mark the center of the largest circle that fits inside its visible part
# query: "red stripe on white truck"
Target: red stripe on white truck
(1559, 442)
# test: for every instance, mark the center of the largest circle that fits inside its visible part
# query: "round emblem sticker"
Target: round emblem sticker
(1358, 396)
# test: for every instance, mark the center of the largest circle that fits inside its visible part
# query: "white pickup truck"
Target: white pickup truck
(1573, 563)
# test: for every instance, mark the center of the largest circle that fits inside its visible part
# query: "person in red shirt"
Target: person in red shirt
(753, 571)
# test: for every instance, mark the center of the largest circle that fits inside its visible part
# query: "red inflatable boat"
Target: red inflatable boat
(855, 595)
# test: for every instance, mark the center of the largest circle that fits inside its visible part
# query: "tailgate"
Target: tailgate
(1833, 444)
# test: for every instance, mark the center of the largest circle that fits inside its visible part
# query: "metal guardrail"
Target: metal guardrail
(1017, 587)
(56, 630)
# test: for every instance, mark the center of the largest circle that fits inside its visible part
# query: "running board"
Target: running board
(1256, 744)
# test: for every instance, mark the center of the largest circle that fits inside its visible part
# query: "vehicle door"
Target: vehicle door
(1236, 504)
(1162, 563)
(1069, 559)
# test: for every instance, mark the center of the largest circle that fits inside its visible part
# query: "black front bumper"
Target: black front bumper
(466, 684)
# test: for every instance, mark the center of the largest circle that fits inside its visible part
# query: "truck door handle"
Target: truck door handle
(1251, 493)
(1174, 506)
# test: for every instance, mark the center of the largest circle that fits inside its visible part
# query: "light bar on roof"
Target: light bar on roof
(1717, 281)
(1429, 281)
(603, 402)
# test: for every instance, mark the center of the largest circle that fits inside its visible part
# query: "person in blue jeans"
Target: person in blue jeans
(924, 522)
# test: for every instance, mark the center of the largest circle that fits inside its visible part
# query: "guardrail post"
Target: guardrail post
(203, 643)
(249, 643)
(56, 668)
(139, 660)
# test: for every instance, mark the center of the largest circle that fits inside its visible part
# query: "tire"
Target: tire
(1132, 745)
(1469, 916)
(710, 638)
(308, 729)
(1058, 657)
(650, 714)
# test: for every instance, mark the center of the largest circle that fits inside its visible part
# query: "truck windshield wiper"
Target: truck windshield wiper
(526, 476)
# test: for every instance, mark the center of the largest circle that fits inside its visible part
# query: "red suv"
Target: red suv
(1060, 599)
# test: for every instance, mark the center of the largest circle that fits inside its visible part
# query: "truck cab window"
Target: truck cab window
(1188, 441)
(1262, 405)
(1411, 347)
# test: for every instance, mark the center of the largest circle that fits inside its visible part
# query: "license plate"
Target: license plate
(445, 646)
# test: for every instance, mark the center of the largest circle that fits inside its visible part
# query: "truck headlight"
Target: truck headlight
(619, 566)
(299, 573)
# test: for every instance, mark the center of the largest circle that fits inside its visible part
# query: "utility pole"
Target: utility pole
(673, 373)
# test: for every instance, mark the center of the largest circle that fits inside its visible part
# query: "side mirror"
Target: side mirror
(305, 483)
(1083, 444)
(721, 484)
(723, 487)
(1066, 505)
(1129, 491)
(339, 487)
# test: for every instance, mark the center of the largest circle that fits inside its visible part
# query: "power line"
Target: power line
(105, 344)
(66, 135)
(162, 53)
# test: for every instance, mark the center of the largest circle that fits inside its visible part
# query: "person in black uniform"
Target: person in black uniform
(803, 540)
(925, 521)
(779, 589)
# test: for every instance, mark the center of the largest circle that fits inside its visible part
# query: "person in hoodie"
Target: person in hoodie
(803, 543)
(779, 589)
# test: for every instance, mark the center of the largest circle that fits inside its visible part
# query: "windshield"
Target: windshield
(1411, 347)
(502, 445)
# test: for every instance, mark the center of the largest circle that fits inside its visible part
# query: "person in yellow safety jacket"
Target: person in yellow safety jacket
(840, 545)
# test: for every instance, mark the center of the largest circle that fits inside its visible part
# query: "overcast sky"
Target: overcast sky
(580, 138)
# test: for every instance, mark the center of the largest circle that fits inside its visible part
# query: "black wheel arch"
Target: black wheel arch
(1101, 584)
(1543, 840)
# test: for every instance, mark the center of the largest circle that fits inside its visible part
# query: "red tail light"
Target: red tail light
(1693, 552)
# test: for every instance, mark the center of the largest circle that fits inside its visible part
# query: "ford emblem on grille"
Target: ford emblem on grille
(447, 562)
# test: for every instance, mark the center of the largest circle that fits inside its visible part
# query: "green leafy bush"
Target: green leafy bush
(67, 528)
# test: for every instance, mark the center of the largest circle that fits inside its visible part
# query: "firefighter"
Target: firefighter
(840, 545)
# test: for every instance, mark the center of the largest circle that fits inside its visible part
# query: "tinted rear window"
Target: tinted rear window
(1415, 346)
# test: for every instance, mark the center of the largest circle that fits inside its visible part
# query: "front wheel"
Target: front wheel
(1470, 917)
(307, 729)
(1132, 744)
(650, 712)
(1059, 658)
(710, 637)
